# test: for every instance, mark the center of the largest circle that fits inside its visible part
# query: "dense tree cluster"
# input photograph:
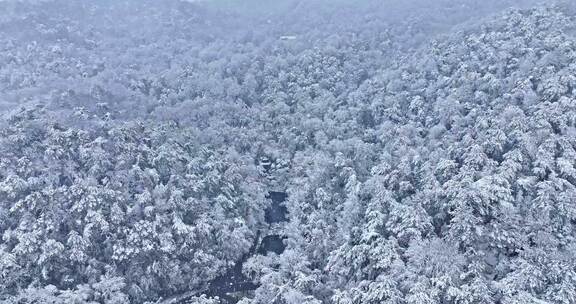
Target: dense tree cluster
(142, 204)
(426, 158)
(472, 197)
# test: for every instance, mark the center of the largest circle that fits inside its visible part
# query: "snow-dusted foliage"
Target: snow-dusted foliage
(427, 150)
(144, 203)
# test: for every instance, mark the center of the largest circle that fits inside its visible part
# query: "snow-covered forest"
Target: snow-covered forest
(287, 152)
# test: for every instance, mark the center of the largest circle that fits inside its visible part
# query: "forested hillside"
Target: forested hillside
(344, 152)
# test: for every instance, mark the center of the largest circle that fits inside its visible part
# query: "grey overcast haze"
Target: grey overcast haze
(288, 151)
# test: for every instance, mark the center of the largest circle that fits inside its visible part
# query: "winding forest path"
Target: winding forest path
(234, 281)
